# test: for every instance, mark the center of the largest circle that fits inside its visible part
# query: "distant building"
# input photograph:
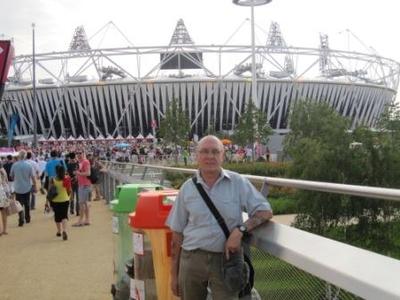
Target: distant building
(212, 82)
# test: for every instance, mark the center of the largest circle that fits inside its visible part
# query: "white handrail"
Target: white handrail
(361, 272)
(329, 187)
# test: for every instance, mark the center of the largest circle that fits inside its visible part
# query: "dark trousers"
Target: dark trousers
(74, 200)
(33, 200)
(24, 199)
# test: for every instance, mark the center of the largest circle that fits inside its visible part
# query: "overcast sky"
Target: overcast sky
(151, 22)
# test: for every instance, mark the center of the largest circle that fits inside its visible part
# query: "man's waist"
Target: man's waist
(198, 250)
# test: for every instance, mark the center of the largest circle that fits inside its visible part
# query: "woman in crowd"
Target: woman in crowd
(4, 200)
(60, 203)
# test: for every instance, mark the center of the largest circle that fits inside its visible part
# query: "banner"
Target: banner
(14, 121)
(6, 57)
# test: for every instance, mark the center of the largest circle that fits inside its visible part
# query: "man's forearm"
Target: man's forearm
(177, 239)
(257, 219)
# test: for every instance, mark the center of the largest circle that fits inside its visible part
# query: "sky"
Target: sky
(151, 22)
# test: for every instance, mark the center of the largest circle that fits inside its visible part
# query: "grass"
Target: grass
(283, 205)
(276, 279)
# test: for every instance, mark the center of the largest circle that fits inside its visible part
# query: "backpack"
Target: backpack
(94, 175)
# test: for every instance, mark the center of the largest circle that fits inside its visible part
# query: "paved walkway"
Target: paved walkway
(35, 264)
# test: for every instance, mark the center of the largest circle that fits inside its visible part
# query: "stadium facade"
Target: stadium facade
(104, 96)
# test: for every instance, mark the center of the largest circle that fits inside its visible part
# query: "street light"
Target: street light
(35, 140)
(252, 3)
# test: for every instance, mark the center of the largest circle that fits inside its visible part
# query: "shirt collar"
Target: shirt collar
(223, 174)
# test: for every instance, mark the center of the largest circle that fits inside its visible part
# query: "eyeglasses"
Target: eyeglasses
(213, 152)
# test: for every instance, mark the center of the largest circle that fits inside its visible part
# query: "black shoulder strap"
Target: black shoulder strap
(212, 207)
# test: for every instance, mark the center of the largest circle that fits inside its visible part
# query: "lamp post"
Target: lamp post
(34, 144)
(252, 3)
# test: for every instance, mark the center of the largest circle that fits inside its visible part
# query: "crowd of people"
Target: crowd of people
(148, 151)
(34, 170)
(205, 220)
(69, 179)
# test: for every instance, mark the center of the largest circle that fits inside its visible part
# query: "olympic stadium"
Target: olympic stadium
(93, 92)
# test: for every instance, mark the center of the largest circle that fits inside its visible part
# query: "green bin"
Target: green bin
(127, 196)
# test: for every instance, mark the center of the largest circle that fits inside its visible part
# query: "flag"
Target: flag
(14, 121)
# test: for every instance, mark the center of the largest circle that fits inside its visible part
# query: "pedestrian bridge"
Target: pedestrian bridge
(291, 263)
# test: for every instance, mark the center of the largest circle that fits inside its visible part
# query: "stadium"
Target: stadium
(93, 92)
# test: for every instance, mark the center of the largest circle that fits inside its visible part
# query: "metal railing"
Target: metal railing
(294, 264)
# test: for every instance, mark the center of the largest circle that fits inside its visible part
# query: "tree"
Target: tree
(175, 127)
(323, 149)
(317, 144)
(253, 125)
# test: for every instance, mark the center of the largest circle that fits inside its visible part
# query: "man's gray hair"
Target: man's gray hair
(211, 137)
(21, 154)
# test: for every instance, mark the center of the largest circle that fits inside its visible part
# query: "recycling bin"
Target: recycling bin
(151, 242)
(125, 203)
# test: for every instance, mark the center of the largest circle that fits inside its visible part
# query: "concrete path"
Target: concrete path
(35, 264)
(284, 219)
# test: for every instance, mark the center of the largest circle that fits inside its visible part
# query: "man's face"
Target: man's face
(79, 155)
(210, 156)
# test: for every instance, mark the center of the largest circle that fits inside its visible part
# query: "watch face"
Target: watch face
(242, 228)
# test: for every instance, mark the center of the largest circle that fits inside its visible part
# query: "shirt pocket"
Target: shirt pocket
(199, 213)
(230, 210)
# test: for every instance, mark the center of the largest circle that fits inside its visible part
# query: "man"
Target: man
(50, 168)
(72, 167)
(198, 242)
(7, 166)
(24, 183)
(36, 172)
(95, 169)
(42, 166)
(84, 189)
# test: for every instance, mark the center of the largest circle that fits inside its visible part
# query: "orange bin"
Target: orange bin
(152, 238)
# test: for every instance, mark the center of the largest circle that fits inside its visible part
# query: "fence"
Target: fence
(294, 264)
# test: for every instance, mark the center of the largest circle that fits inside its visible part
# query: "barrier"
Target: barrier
(292, 267)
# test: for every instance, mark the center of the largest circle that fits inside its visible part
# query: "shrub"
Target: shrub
(283, 205)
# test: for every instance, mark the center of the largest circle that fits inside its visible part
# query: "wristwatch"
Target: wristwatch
(243, 229)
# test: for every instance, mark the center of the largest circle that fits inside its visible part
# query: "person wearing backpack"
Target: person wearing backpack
(199, 244)
(95, 169)
(60, 202)
(72, 166)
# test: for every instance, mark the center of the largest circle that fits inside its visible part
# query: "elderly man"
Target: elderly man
(24, 183)
(197, 240)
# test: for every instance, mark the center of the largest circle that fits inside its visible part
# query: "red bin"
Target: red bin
(151, 240)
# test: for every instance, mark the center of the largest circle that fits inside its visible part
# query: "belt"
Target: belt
(202, 251)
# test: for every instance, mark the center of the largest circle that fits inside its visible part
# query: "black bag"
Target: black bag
(237, 272)
(94, 175)
(52, 193)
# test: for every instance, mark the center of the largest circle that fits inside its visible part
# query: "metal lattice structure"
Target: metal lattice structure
(123, 90)
(181, 35)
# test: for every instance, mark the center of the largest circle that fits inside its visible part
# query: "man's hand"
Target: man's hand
(176, 243)
(233, 243)
(175, 286)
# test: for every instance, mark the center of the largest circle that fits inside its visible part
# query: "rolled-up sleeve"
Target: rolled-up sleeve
(251, 199)
(178, 216)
